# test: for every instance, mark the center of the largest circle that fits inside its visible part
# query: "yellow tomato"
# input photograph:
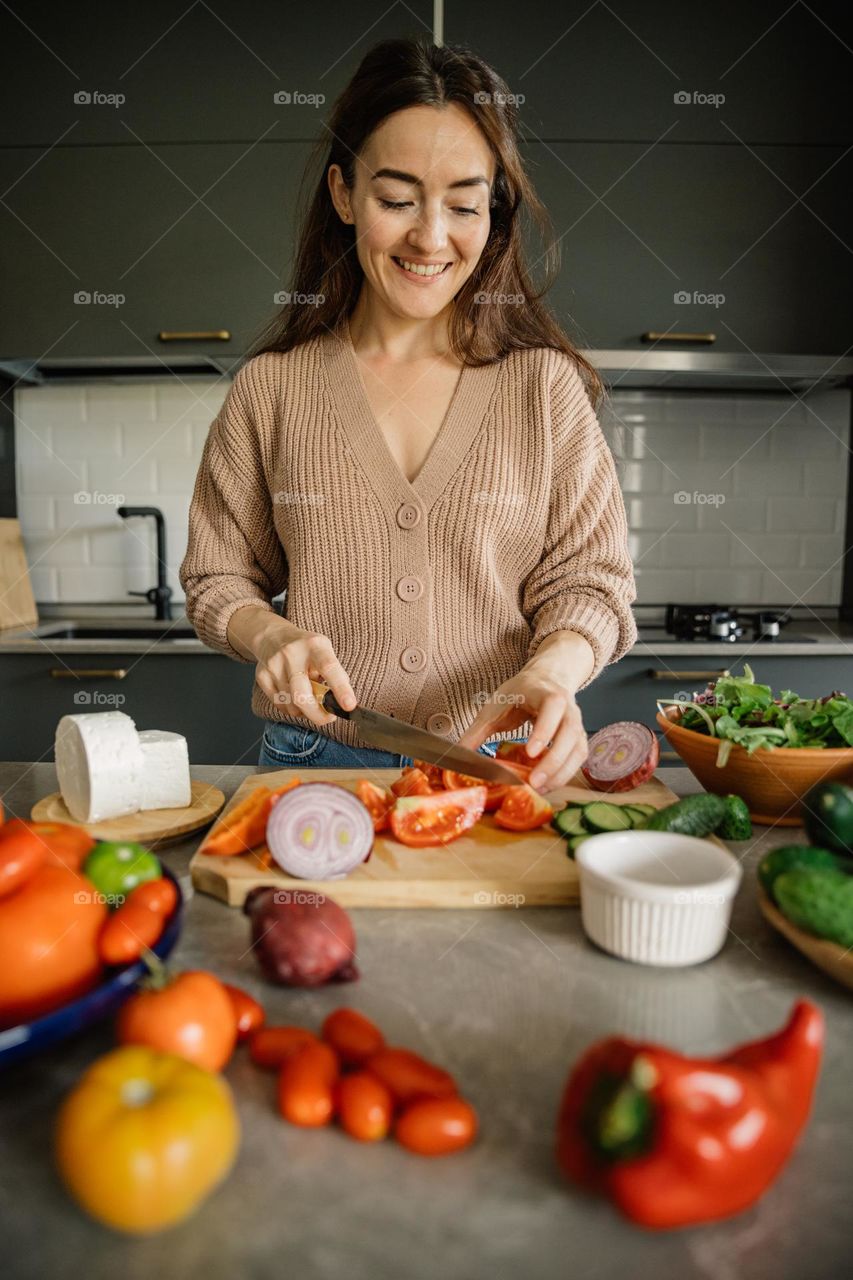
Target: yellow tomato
(143, 1137)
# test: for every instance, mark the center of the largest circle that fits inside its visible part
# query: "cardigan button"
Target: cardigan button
(439, 723)
(413, 658)
(410, 588)
(408, 515)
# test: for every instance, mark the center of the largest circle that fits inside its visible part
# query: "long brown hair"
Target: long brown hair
(396, 74)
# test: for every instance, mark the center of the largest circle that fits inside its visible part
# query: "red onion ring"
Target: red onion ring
(319, 831)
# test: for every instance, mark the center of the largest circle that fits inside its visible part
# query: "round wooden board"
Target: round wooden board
(148, 825)
(827, 955)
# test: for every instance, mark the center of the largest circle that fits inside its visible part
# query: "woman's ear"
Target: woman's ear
(339, 192)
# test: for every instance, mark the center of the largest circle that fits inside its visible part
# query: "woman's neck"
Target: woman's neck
(377, 332)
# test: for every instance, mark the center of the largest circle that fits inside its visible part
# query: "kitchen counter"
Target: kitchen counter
(507, 1001)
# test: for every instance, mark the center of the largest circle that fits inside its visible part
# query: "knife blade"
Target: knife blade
(405, 739)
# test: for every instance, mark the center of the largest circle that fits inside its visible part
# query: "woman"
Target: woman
(411, 450)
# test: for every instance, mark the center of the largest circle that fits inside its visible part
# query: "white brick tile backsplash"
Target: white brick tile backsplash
(779, 464)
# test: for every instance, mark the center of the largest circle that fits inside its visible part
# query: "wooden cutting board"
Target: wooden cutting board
(17, 606)
(148, 826)
(485, 867)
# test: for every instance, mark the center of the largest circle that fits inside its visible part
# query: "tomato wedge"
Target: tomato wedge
(523, 809)
(516, 751)
(412, 782)
(377, 800)
(423, 821)
(495, 791)
(433, 773)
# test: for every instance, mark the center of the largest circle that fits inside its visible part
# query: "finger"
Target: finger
(304, 701)
(334, 675)
(552, 768)
(547, 722)
(477, 732)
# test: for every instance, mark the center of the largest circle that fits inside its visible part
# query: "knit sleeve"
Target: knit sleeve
(234, 556)
(585, 579)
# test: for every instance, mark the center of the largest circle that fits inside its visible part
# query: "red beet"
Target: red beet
(301, 939)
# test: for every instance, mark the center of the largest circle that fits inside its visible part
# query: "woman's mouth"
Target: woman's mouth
(418, 272)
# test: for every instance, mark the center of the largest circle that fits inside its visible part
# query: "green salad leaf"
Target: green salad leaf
(739, 711)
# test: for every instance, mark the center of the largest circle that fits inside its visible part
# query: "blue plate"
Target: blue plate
(29, 1037)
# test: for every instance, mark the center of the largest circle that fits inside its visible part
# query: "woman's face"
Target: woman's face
(420, 197)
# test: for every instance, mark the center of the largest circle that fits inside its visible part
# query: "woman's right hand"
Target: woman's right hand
(286, 667)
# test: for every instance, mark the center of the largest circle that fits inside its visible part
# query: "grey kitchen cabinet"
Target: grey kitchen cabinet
(698, 239)
(187, 73)
(610, 72)
(190, 237)
(206, 697)
(628, 689)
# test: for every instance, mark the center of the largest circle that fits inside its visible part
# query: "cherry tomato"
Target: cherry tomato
(159, 896)
(66, 845)
(191, 1016)
(523, 809)
(437, 1126)
(271, 1047)
(423, 821)
(21, 855)
(377, 800)
(410, 1077)
(353, 1036)
(412, 782)
(364, 1106)
(248, 1014)
(306, 1085)
(130, 930)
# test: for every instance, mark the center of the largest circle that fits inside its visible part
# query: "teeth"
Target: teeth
(419, 269)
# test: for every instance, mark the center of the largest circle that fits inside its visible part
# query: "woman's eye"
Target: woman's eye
(394, 204)
(473, 211)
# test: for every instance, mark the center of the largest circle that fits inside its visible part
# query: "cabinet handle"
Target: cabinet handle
(653, 336)
(88, 673)
(654, 674)
(194, 335)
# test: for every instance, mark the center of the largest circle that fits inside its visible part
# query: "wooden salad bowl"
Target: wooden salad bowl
(772, 783)
(827, 955)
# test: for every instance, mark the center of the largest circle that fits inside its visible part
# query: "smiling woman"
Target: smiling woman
(413, 453)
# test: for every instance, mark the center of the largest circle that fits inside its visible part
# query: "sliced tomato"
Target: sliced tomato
(495, 791)
(423, 821)
(523, 809)
(412, 782)
(515, 751)
(433, 772)
(377, 800)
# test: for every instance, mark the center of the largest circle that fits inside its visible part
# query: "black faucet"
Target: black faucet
(160, 595)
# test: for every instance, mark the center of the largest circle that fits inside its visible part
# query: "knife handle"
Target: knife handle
(328, 701)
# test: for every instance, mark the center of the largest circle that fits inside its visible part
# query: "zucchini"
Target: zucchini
(736, 824)
(692, 816)
(601, 816)
(828, 817)
(569, 821)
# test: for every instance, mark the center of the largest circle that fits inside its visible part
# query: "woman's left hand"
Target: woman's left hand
(556, 717)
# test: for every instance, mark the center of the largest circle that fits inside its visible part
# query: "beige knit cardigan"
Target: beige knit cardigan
(433, 592)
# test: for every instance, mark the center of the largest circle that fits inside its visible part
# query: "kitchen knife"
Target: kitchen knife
(407, 740)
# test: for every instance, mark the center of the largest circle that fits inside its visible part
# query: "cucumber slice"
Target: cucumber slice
(601, 816)
(646, 809)
(636, 814)
(569, 821)
(574, 841)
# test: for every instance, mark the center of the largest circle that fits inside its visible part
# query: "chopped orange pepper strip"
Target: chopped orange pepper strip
(244, 827)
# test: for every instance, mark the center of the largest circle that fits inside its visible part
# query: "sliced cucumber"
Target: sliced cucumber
(601, 816)
(646, 809)
(636, 814)
(569, 821)
(574, 841)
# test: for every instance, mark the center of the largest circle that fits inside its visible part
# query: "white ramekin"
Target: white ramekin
(656, 897)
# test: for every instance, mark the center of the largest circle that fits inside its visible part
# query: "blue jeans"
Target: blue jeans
(288, 746)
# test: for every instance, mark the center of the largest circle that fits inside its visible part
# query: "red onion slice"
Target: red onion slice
(319, 831)
(621, 756)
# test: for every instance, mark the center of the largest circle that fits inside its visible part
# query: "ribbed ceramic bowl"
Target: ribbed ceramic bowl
(772, 783)
(656, 897)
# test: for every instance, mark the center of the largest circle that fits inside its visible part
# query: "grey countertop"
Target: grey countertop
(507, 1000)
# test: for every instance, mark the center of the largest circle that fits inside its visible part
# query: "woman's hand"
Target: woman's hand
(286, 667)
(545, 687)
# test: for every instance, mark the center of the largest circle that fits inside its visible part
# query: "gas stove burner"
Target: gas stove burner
(722, 623)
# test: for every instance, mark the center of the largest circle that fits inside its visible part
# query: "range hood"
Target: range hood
(720, 370)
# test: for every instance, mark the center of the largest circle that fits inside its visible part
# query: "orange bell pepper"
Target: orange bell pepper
(244, 827)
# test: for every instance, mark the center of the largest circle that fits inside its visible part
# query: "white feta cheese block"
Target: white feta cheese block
(166, 770)
(99, 765)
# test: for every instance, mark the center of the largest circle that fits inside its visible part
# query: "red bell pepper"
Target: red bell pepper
(675, 1141)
